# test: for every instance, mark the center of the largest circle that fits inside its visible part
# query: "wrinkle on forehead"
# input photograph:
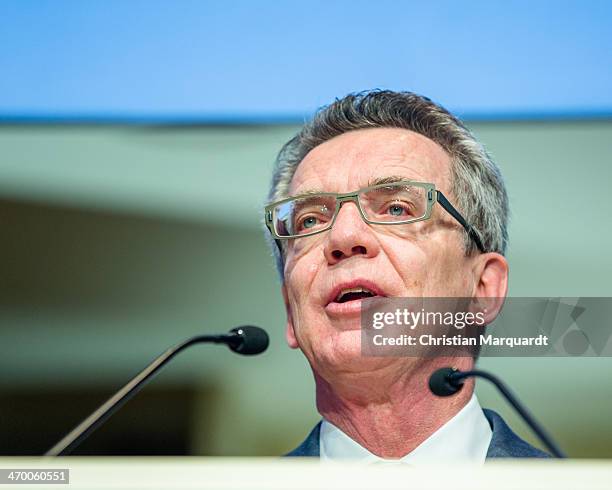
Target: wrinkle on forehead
(349, 161)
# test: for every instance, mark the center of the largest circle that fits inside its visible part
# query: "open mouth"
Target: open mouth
(353, 294)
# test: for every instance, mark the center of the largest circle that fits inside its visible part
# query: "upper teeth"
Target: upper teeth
(353, 290)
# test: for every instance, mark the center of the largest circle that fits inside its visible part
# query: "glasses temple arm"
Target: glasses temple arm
(280, 248)
(455, 214)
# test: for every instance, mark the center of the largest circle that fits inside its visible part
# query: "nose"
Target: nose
(350, 236)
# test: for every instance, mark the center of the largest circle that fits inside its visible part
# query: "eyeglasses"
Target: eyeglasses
(395, 203)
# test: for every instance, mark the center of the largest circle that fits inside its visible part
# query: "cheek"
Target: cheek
(408, 263)
(447, 276)
(300, 273)
(426, 268)
(302, 247)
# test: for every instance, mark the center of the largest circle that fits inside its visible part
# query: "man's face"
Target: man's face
(423, 259)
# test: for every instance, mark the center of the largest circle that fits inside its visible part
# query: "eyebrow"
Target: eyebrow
(311, 192)
(386, 180)
(390, 179)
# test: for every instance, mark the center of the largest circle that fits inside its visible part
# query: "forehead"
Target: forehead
(354, 159)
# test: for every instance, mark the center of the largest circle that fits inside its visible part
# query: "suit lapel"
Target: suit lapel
(505, 443)
(310, 446)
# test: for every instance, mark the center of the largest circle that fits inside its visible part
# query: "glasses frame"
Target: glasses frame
(433, 196)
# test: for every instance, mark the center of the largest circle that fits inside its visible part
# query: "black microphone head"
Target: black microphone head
(250, 340)
(440, 383)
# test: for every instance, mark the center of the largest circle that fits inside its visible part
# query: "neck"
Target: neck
(390, 415)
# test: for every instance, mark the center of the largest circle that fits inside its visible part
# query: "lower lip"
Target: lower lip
(350, 308)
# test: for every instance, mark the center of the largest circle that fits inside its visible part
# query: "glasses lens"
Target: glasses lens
(304, 215)
(394, 203)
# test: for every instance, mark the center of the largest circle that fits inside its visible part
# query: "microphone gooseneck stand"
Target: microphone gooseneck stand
(448, 381)
(246, 340)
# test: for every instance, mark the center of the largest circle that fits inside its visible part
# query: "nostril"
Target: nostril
(356, 250)
(337, 254)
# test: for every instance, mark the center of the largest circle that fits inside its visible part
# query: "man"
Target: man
(339, 238)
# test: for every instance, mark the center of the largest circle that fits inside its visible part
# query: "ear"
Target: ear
(289, 330)
(491, 283)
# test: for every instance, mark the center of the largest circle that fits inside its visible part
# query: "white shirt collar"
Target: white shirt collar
(466, 436)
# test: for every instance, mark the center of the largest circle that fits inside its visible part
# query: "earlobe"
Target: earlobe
(289, 330)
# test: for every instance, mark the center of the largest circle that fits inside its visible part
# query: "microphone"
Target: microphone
(246, 340)
(448, 381)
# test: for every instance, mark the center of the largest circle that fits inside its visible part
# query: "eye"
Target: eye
(311, 217)
(309, 222)
(396, 210)
(399, 209)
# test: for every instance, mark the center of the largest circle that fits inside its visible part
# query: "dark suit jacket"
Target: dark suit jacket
(504, 442)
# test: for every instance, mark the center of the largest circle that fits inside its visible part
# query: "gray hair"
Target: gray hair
(476, 182)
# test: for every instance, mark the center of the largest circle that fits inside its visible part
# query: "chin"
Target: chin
(343, 355)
